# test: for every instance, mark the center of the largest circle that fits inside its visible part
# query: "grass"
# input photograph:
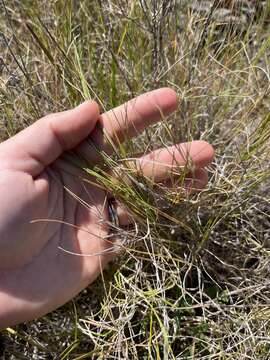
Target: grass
(193, 280)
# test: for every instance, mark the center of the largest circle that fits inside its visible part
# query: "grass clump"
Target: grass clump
(193, 282)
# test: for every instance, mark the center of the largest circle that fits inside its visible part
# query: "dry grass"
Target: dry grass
(192, 284)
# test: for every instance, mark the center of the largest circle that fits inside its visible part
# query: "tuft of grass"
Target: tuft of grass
(192, 282)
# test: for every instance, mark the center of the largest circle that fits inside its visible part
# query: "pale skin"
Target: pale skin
(36, 276)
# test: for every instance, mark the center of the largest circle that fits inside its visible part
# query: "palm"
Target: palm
(39, 270)
(54, 226)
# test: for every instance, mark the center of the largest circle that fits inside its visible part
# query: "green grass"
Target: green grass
(192, 282)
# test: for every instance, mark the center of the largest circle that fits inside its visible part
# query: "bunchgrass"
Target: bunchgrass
(192, 280)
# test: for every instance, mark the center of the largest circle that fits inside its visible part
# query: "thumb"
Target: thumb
(40, 144)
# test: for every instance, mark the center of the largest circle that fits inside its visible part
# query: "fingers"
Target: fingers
(123, 215)
(166, 166)
(193, 183)
(132, 118)
(128, 120)
(44, 141)
(163, 164)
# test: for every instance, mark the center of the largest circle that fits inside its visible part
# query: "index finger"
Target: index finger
(127, 121)
(131, 118)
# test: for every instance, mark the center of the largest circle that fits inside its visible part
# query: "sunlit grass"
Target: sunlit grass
(192, 278)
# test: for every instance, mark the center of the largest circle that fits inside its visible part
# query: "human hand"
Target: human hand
(38, 182)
